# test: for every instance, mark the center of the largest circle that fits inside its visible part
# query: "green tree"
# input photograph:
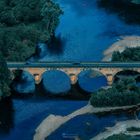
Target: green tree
(128, 55)
(4, 78)
(135, 1)
(123, 92)
(25, 22)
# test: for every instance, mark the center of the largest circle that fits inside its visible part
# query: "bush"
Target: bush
(128, 55)
(4, 78)
(122, 93)
(25, 22)
(121, 137)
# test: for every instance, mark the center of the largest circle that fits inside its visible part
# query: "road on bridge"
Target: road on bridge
(67, 64)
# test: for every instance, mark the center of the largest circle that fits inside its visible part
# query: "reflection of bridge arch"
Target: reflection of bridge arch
(91, 80)
(35, 72)
(56, 81)
(23, 81)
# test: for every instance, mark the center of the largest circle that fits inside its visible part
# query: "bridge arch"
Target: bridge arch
(23, 81)
(91, 80)
(56, 81)
(71, 72)
(109, 69)
(127, 73)
(17, 72)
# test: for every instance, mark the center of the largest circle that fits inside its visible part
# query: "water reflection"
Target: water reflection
(87, 32)
(91, 81)
(56, 45)
(127, 11)
(6, 116)
(24, 83)
(56, 82)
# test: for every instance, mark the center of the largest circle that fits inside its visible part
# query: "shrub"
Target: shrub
(123, 92)
(25, 22)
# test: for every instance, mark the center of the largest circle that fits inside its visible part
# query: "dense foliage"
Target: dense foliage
(4, 78)
(135, 1)
(128, 55)
(25, 22)
(122, 137)
(123, 92)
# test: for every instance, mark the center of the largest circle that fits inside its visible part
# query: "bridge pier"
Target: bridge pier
(73, 79)
(37, 78)
(110, 79)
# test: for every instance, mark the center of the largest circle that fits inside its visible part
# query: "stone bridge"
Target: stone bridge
(72, 69)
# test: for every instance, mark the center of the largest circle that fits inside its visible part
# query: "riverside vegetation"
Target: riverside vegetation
(22, 24)
(5, 79)
(123, 92)
(128, 55)
(25, 22)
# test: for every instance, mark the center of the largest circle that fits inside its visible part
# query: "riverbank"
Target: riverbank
(122, 43)
(53, 122)
(120, 127)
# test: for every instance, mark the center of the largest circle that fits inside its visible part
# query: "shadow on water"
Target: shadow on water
(6, 115)
(127, 11)
(56, 44)
(75, 93)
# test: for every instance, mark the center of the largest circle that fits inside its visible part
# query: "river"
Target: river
(85, 31)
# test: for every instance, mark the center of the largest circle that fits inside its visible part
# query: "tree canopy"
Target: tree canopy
(123, 92)
(128, 55)
(135, 1)
(25, 22)
(4, 78)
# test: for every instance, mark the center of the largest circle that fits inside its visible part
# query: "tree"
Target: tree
(4, 78)
(123, 92)
(23, 23)
(135, 1)
(128, 55)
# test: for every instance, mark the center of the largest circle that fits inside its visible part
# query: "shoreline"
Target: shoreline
(120, 127)
(120, 45)
(53, 122)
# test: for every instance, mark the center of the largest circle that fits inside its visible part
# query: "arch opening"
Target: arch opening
(23, 82)
(91, 80)
(56, 82)
(127, 73)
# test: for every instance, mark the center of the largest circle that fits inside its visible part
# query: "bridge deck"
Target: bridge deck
(74, 65)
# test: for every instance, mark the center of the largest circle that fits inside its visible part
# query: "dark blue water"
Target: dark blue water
(28, 114)
(87, 126)
(56, 82)
(86, 31)
(91, 81)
